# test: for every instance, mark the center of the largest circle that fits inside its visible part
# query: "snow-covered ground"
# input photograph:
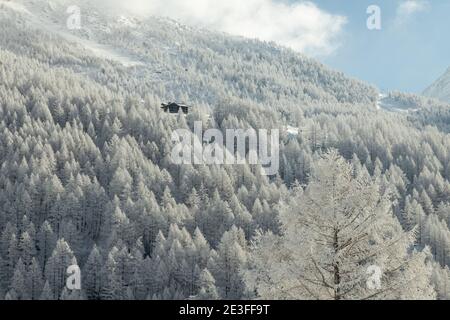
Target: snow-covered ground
(292, 131)
(103, 51)
(386, 103)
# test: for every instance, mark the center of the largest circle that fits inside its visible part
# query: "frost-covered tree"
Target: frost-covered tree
(226, 263)
(56, 268)
(337, 235)
(47, 293)
(19, 286)
(46, 242)
(92, 275)
(35, 280)
(207, 284)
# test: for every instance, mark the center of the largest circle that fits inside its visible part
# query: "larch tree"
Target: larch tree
(19, 283)
(207, 285)
(35, 280)
(57, 265)
(340, 240)
(226, 264)
(81, 160)
(46, 242)
(47, 293)
(92, 271)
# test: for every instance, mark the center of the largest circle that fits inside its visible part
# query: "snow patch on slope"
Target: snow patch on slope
(386, 103)
(14, 6)
(45, 22)
(292, 131)
(103, 51)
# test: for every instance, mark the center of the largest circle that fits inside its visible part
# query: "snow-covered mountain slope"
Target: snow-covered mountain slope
(441, 88)
(174, 59)
(45, 17)
(86, 174)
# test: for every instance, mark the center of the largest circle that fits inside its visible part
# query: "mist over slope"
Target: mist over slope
(86, 176)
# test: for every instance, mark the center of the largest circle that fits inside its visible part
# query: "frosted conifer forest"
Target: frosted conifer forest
(358, 209)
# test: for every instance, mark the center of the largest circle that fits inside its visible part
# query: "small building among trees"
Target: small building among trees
(173, 107)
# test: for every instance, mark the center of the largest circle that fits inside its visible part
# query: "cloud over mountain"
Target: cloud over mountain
(302, 26)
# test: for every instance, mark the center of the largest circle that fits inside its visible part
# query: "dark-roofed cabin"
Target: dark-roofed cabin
(175, 108)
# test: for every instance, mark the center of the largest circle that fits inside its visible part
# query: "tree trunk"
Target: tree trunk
(336, 270)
